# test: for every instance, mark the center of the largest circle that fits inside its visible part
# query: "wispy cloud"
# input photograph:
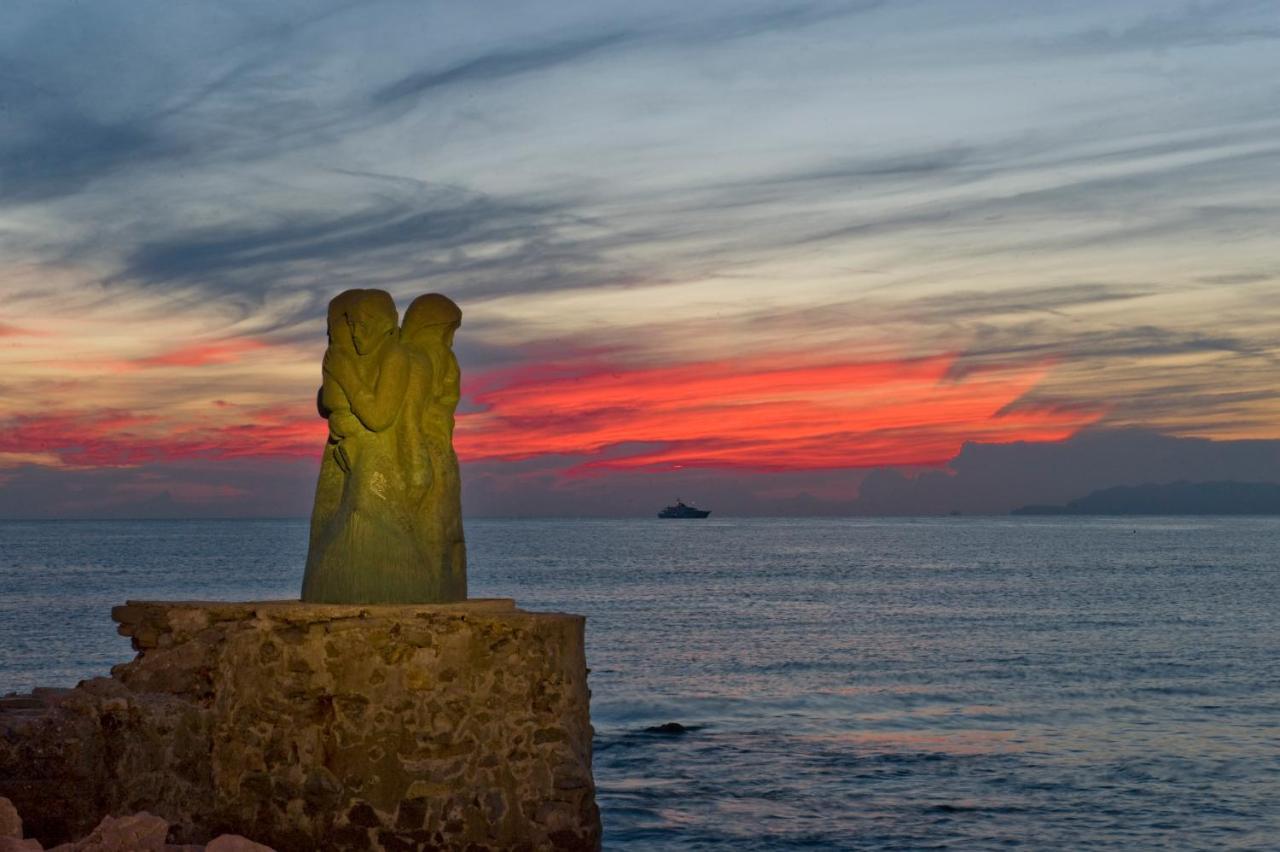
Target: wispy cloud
(514, 61)
(498, 65)
(485, 244)
(1219, 23)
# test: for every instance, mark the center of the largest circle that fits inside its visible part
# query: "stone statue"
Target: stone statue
(387, 522)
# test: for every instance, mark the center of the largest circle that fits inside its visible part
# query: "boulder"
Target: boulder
(10, 822)
(235, 843)
(139, 832)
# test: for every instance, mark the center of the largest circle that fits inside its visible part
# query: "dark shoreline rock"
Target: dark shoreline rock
(140, 832)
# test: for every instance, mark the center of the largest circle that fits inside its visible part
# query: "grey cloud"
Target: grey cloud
(697, 230)
(747, 24)
(1054, 299)
(505, 63)
(218, 252)
(1080, 198)
(66, 154)
(1237, 279)
(973, 309)
(854, 171)
(1140, 340)
(1193, 24)
(499, 65)
(968, 164)
(1155, 196)
(74, 108)
(476, 245)
(50, 145)
(1035, 339)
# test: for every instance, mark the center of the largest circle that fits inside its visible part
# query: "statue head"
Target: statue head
(372, 320)
(339, 306)
(431, 316)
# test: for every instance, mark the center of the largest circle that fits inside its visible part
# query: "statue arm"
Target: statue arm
(343, 424)
(332, 397)
(452, 391)
(447, 389)
(378, 406)
(334, 407)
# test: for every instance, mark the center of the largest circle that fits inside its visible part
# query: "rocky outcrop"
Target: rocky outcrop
(307, 726)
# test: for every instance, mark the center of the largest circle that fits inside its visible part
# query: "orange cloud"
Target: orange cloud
(756, 414)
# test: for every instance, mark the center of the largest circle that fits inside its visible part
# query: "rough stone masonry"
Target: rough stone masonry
(311, 726)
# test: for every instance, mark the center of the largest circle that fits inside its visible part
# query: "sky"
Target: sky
(778, 258)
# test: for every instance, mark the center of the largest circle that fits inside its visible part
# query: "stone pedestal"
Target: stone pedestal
(309, 726)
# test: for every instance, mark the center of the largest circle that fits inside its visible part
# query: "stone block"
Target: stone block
(307, 726)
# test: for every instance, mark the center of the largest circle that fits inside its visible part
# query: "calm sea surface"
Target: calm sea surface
(846, 684)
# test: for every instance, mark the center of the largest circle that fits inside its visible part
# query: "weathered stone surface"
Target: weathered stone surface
(15, 844)
(309, 726)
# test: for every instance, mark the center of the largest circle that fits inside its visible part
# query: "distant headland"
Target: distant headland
(1172, 498)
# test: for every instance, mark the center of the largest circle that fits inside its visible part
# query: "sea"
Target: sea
(784, 684)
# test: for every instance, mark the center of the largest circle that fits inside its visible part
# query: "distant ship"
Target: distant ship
(680, 510)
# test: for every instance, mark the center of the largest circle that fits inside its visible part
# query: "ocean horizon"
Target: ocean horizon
(835, 683)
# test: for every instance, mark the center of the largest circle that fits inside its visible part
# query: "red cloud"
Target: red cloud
(189, 355)
(194, 355)
(9, 330)
(754, 415)
(758, 415)
(117, 439)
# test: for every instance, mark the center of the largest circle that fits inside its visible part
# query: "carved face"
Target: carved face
(339, 332)
(368, 329)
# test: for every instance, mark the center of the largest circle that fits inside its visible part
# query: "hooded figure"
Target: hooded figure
(371, 544)
(428, 329)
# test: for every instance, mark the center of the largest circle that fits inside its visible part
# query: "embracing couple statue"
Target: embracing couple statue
(387, 522)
